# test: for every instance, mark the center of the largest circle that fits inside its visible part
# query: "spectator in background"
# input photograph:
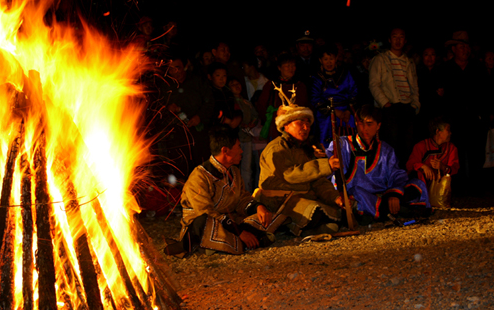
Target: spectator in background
(336, 82)
(221, 54)
(270, 100)
(393, 84)
(254, 80)
(307, 63)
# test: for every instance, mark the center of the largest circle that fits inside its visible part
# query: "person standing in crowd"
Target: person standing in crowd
(336, 82)
(393, 84)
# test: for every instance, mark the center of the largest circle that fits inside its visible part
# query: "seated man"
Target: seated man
(372, 174)
(293, 182)
(215, 202)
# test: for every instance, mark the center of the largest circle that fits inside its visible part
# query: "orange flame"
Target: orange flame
(88, 107)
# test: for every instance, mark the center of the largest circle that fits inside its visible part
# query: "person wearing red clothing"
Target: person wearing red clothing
(434, 153)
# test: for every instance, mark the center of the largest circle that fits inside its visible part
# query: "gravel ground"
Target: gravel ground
(445, 262)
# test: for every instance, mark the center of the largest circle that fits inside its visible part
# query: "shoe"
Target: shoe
(328, 228)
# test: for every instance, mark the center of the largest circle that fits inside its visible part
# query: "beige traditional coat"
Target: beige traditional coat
(287, 166)
(218, 192)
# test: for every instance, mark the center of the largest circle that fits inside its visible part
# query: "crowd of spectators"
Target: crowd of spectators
(192, 91)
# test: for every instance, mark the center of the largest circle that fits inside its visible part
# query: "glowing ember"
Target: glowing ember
(69, 148)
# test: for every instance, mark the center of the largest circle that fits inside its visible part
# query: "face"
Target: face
(461, 51)
(218, 78)
(397, 39)
(304, 49)
(233, 156)
(287, 70)
(444, 135)
(328, 62)
(235, 87)
(222, 53)
(147, 28)
(367, 129)
(489, 60)
(429, 57)
(207, 58)
(299, 129)
(261, 51)
(177, 69)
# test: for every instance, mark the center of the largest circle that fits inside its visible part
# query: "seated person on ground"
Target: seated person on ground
(294, 180)
(434, 153)
(372, 174)
(215, 202)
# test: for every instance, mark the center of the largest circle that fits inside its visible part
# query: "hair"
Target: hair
(251, 60)
(285, 58)
(435, 124)
(221, 136)
(329, 48)
(216, 66)
(233, 78)
(368, 110)
(177, 54)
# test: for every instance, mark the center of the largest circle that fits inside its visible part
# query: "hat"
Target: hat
(306, 38)
(458, 37)
(289, 113)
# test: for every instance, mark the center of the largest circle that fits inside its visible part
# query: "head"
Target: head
(178, 67)
(221, 52)
(397, 40)
(460, 47)
(261, 52)
(225, 145)
(287, 66)
(235, 86)
(249, 65)
(206, 58)
(489, 60)
(145, 25)
(429, 57)
(295, 121)
(368, 122)
(328, 57)
(217, 74)
(304, 48)
(440, 130)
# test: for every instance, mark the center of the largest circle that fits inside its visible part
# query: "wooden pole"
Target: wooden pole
(27, 234)
(44, 210)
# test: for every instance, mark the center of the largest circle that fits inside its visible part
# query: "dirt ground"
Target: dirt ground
(445, 262)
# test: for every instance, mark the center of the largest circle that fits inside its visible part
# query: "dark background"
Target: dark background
(278, 23)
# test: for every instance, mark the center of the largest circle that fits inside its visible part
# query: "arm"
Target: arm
(412, 78)
(415, 160)
(375, 80)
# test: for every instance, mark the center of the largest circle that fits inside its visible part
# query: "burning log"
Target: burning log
(44, 256)
(27, 234)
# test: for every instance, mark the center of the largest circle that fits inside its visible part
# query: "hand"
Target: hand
(319, 153)
(394, 205)
(339, 202)
(264, 215)
(436, 164)
(194, 121)
(249, 239)
(429, 174)
(334, 162)
(387, 105)
(173, 108)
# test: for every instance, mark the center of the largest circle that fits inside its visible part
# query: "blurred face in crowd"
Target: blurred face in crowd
(177, 70)
(367, 129)
(304, 49)
(287, 70)
(489, 60)
(222, 53)
(298, 129)
(233, 156)
(261, 51)
(397, 40)
(443, 136)
(429, 57)
(218, 79)
(207, 58)
(461, 51)
(328, 62)
(235, 87)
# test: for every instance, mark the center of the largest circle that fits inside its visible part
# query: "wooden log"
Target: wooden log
(79, 235)
(133, 288)
(44, 210)
(27, 234)
(7, 228)
(159, 271)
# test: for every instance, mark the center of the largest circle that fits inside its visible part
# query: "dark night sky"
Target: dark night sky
(276, 23)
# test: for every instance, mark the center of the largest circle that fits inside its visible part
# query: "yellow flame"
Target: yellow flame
(82, 94)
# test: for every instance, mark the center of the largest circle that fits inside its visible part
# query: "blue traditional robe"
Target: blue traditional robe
(372, 175)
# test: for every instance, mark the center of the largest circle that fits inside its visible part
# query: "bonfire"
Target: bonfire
(70, 146)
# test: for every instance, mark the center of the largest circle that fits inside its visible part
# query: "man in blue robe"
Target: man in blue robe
(372, 174)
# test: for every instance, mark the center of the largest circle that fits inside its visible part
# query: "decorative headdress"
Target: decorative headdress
(289, 111)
